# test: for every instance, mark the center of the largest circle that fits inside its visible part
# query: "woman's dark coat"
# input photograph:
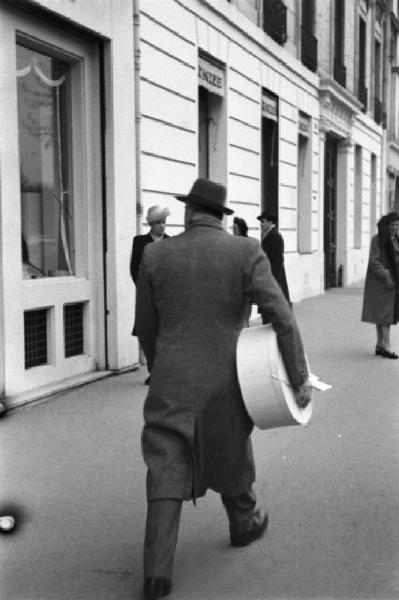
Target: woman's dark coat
(380, 298)
(273, 246)
(192, 299)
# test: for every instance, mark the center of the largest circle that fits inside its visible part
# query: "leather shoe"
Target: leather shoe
(156, 587)
(385, 353)
(260, 523)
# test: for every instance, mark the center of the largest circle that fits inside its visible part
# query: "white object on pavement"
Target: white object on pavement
(316, 384)
(7, 523)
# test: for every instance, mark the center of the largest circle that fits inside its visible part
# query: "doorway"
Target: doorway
(212, 135)
(330, 213)
(270, 165)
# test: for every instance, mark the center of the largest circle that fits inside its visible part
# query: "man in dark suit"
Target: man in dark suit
(156, 219)
(273, 246)
(192, 301)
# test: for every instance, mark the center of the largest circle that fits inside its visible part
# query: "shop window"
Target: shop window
(74, 329)
(35, 329)
(44, 121)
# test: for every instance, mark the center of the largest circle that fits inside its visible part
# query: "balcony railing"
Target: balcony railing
(377, 110)
(275, 20)
(339, 72)
(362, 95)
(309, 50)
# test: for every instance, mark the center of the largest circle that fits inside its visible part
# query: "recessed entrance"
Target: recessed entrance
(330, 213)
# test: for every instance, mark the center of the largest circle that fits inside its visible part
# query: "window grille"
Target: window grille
(73, 329)
(35, 323)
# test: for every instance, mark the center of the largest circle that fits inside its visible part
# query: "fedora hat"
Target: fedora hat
(208, 194)
(268, 215)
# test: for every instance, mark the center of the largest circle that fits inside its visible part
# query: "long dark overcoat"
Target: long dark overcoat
(192, 301)
(380, 296)
(273, 246)
(139, 243)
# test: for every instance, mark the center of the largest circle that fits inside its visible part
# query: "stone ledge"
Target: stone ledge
(44, 392)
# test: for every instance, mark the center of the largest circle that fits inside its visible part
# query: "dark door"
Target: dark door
(270, 166)
(203, 133)
(330, 213)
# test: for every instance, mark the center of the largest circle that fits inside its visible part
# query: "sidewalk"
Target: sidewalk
(73, 464)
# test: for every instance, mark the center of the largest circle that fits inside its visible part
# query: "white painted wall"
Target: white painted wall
(370, 137)
(172, 35)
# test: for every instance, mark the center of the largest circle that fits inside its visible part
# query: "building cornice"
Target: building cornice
(338, 108)
(333, 93)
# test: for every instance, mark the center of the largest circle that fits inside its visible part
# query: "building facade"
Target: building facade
(350, 69)
(223, 98)
(108, 107)
(67, 181)
(286, 103)
(391, 103)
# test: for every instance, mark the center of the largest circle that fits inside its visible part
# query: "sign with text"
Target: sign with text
(211, 77)
(269, 107)
(304, 124)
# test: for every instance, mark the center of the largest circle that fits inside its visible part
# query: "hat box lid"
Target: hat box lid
(268, 396)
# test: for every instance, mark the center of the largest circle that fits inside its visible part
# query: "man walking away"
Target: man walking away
(192, 300)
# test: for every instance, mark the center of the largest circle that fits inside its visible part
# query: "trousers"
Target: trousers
(162, 527)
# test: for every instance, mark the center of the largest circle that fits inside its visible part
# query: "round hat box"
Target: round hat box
(268, 396)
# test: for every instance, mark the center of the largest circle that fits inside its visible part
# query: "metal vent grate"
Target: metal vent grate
(73, 329)
(35, 322)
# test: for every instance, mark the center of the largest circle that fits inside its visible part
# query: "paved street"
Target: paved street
(73, 464)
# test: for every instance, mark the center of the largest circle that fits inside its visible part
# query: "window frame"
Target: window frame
(78, 143)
